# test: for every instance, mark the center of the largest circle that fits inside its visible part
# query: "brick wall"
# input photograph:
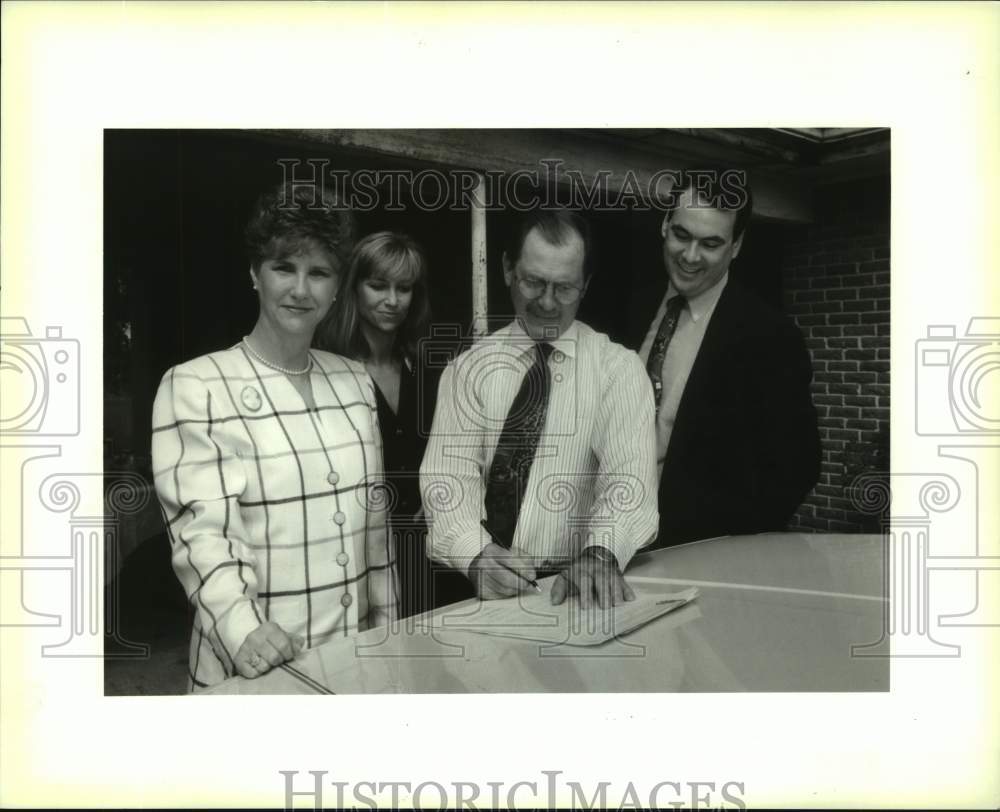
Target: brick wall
(836, 288)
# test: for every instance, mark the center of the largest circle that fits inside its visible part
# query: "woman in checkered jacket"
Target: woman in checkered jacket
(268, 464)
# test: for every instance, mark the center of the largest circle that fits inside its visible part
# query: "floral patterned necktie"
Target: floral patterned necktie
(654, 366)
(508, 476)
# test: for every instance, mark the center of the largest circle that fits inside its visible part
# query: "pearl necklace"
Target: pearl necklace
(272, 365)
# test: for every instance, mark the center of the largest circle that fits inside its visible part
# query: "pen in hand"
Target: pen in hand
(496, 541)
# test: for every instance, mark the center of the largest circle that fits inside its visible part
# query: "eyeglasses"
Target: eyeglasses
(563, 293)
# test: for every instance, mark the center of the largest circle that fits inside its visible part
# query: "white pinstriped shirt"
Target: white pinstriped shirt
(593, 479)
(269, 505)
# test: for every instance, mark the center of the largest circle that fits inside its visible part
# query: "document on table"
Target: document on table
(531, 616)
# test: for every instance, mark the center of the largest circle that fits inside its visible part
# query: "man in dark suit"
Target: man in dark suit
(737, 443)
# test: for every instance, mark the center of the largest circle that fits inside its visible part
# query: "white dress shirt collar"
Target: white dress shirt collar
(704, 303)
(566, 343)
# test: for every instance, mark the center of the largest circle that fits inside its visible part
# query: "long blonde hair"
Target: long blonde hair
(386, 254)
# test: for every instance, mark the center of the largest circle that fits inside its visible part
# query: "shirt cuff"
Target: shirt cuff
(464, 550)
(623, 549)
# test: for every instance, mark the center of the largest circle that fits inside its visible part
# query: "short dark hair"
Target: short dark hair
(385, 254)
(291, 215)
(723, 189)
(555, 226)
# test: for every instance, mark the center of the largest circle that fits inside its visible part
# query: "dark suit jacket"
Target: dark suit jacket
(744, 450)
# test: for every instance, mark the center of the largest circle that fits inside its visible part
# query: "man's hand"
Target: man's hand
(595, 577)
(494, 572)
(265, 647)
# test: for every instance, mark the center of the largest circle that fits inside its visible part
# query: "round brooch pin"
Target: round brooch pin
(251, 398)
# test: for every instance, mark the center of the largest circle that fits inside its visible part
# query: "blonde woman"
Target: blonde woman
(382, 315)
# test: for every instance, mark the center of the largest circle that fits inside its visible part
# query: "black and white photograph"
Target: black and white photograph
(607, 404)
(499, 405)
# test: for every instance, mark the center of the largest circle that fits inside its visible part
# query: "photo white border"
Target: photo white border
(929, 72)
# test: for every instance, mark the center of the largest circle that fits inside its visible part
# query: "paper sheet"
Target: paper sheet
(530, 616)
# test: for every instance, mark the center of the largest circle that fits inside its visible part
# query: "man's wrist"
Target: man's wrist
(601, 554)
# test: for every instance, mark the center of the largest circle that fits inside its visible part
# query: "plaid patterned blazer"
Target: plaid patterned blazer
(274, 511)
